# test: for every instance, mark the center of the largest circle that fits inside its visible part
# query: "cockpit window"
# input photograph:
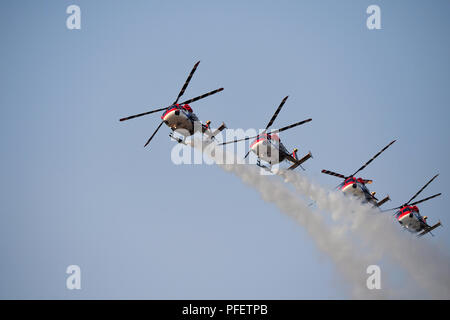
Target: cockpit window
(187, 108)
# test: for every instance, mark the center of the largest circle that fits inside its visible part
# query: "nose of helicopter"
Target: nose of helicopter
(353, 189)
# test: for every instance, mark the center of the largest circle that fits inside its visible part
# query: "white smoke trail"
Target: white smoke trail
(426, 264)
(350, 264)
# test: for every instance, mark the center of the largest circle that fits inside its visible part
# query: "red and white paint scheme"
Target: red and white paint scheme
(268, 147)
(409, 217)
(180, 117)
(357, 186)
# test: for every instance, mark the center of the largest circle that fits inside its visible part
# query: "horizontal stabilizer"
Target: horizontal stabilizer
(219, 129)
(211, 134)
(383, 201)
(300, 161)
(430, 229)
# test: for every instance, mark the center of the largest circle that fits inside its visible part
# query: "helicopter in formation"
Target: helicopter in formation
(268, 147)
(409, 217)
(180, 117)
(357, 186)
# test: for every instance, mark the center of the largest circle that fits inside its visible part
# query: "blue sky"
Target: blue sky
(79, 188)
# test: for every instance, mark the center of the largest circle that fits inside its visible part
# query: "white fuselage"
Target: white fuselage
(182, 121)
(357, 189)
(410, 223)
(410, 218)
(268, 149)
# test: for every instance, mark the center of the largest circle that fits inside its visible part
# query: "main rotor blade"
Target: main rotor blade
(150, 139)
(187, 82)
(373, 158)
(396, 208)
(426, 199)
(142, 114)
(202, 96)
(426, 185)
(331, 173)
(276, 112)
(290, 126)
(238, 140)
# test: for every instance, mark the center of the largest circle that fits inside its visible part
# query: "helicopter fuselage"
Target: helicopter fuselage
(182, 119)
(411, 219)
(356, 187)
(268, 147)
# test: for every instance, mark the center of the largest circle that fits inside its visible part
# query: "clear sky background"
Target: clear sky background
(77, 186)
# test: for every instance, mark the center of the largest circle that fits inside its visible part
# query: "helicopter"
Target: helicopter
(409, 217)
(268, 147)
(180, 117)
(357, 186)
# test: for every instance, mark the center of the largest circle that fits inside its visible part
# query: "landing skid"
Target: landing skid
(179, 140)
(259, 164)
(299, 162)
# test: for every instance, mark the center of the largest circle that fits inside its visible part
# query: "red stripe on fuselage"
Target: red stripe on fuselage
(167, 112)
(264, 137)
(256, 141)
(404, 214)
(348, 184)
